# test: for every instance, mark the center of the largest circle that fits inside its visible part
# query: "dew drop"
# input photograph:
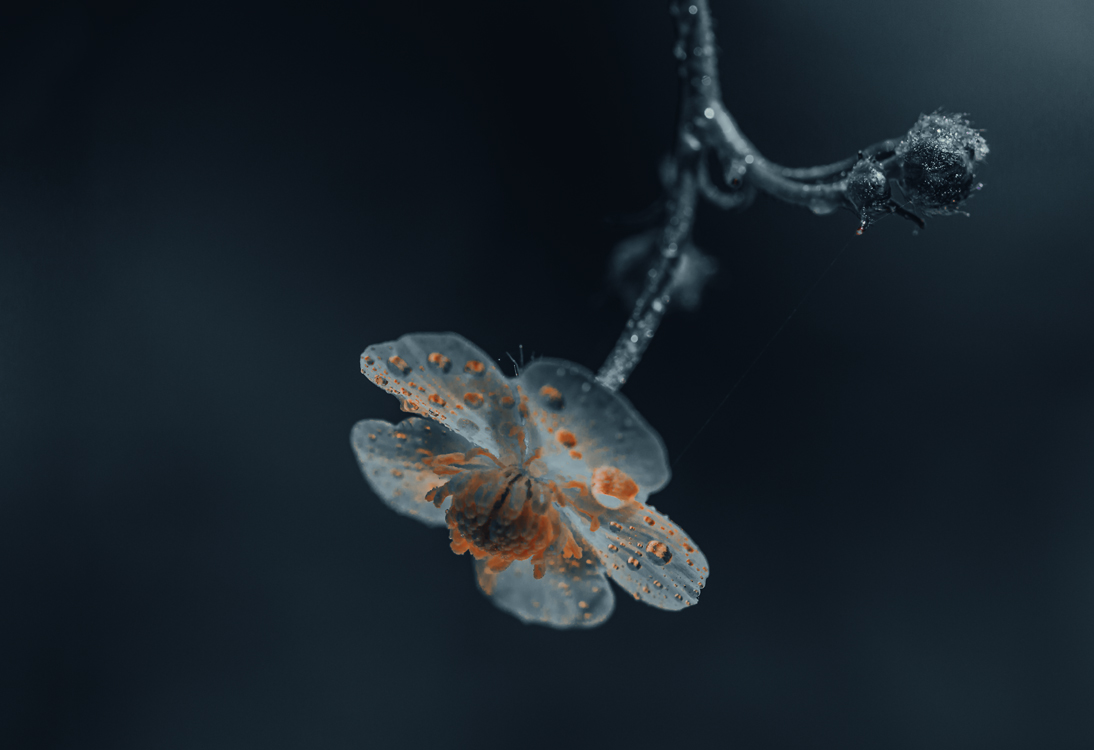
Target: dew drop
(467, 424)
(398, 363)
(552, 396)
(474, 367)
(441, 362)
(474, 400)
(659, 551)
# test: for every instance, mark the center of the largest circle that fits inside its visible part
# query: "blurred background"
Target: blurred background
(207, 212)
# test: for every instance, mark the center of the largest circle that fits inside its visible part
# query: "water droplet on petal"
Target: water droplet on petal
(659, 551)
(441, 362)
(553, 396)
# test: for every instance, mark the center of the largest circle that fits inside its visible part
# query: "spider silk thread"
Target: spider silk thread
(763, 351)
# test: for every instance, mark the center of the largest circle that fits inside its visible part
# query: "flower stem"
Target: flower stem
(699, 91)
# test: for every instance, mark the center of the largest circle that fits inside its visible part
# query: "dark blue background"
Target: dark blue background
(207, 213)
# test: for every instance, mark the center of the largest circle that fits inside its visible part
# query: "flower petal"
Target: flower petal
(446, 377)
(394, 460)
(648, 555)
(581, 426)
(573, 592)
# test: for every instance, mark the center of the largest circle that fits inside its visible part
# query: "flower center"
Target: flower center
(503, 514)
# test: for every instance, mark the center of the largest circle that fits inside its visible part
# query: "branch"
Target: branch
(934, 163)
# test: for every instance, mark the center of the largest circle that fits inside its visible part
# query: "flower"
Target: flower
(543, 479)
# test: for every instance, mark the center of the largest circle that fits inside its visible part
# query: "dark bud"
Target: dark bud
(939, 156)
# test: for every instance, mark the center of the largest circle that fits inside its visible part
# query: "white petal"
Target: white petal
(446, 377)
(647, 555)
(581, 426)
(392, 458)
(573, 593)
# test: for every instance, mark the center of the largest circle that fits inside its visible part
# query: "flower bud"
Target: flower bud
(939, 156)
(868, 190)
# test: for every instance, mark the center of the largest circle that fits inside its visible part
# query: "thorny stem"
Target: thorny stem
(705, 127)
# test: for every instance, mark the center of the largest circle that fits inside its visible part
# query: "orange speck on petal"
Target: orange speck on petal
(436, 399)
(400, 436)
(396, 473)
(648, 520)
(575, 455)
(399, 364)
(608, 480)
(567, 438)
(474, 367)
(371, 436)
(380, 380)
(474, 400)
(507, 402)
